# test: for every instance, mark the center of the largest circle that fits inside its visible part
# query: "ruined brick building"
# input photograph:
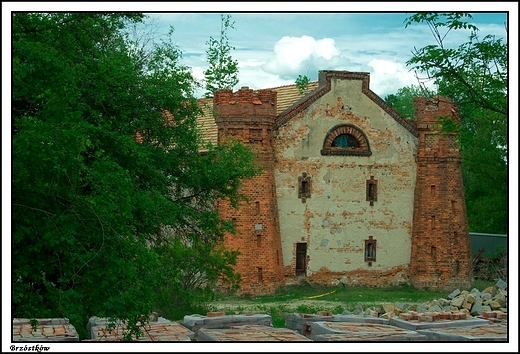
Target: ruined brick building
(350, 191)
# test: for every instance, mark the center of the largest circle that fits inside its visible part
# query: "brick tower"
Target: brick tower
(249, 115)
(441, 254)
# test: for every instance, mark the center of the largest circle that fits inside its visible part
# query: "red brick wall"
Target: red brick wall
(248, 116)
(440, 255)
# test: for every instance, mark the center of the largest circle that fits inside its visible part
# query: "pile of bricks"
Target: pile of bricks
(44, 330)
(486, 333)
(151, 332)
(221, 321)
(256, 333)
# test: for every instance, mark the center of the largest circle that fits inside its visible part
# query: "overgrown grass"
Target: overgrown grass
(288, 299)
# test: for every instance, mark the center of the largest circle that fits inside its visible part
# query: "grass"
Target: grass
(288, 299)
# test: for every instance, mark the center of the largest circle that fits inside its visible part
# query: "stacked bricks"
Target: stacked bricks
(367, 330)
(44, 330)
(248, 116)
(493, 333)
(221, 321)
(440, 254)
(301, 322)
(250, 334)
(151, 332)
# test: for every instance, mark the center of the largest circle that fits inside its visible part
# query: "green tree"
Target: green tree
(302, 83)
(107, 174)
(402, 101)
(223, 69)
(474, 75)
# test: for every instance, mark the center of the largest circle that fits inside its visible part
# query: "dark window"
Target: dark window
(301, 257)
(260, 275)
(370, 250)
(258, 241)
(344, 141)
(304, 187)
(371, 190)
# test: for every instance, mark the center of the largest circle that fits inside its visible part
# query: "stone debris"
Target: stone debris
(44, 330)
(255, 333)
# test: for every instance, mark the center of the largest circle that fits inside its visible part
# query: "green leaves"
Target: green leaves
(474, 75)
(223, 69)
(106, 168)
(302, 82)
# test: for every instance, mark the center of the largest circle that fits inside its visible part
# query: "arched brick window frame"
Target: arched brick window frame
(362, 150)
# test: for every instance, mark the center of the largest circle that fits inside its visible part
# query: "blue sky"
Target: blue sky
(273, 48)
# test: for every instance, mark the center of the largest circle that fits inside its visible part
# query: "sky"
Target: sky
(274, 44)
(272, 49)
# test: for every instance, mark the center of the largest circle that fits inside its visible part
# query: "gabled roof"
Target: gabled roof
(290, 102)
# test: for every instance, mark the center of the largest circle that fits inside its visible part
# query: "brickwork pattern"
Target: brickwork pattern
(47, 329)
(248, 116)
(440, 256)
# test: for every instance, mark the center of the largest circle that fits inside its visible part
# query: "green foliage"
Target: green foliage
(93, 207)
(474, 75)
(223, 69)
(302, 82)
(402, 101)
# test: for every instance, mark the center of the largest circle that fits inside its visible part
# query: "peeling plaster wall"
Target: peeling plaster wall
(336, 220)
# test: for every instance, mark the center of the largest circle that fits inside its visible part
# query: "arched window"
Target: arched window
(346, 139)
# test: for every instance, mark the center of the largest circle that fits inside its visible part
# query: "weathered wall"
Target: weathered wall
(337, 219)
(441, 250)
(248, 116)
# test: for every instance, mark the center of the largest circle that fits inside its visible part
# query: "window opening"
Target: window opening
(370, 250)
(260, 275)
(258, 240)
(372, 190)
(304, 187)
(345, 141)
(301, 257)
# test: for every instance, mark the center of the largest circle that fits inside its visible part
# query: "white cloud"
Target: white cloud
(388, 76)
(297, 55)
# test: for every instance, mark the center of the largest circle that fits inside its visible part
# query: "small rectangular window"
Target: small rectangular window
(301, 257)
(258, 241)
(371, 190)
(304, 187)
(432, 190)
(433, 222)
(257, 208)
(370, 250)
(260, 275)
